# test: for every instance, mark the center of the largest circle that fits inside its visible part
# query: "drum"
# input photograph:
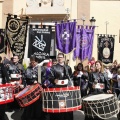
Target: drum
(103, 106)
(6, 93)
(57, 100)
(29, 95)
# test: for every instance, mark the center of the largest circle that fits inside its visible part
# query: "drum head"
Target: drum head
(97, 97)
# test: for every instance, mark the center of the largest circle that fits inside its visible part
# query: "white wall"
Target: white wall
(1, 12)
(106, 11)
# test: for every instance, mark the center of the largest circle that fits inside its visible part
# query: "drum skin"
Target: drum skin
(57, 100)
(29, 95)
(6, 93)
(103, 108)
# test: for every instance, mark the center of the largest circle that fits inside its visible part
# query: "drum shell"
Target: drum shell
(105, 108)
(30, 96)
(65, 99)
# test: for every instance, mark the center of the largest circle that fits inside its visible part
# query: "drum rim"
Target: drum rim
(84, 99)
(28, 92)
(7, 101)
(27, 104)
(62, 89)
(60, 110)
(6, 85)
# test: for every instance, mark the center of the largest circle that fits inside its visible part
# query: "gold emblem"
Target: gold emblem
(13, 25)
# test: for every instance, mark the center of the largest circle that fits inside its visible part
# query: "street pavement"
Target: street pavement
(16, 114)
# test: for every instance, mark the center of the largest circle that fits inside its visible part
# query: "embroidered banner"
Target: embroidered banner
(84, 42)
(106, 48)
(66, 37)
(2, 41)
(16, 31)
(39, 43)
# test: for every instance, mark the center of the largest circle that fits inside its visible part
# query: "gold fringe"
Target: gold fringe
(67, 53)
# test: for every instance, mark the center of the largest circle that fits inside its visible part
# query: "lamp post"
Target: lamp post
(92, 21)
(83, 20)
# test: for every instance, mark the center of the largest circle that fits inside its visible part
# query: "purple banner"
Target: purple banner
(84, 41)
(66, 37)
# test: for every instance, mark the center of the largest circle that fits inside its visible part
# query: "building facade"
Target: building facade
(49, 11)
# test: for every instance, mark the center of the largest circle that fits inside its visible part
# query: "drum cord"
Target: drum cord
(99, 115)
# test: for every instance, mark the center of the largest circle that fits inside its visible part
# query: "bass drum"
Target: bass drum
(29, 95)
(57, 100)
(103, 106)
(6, 93)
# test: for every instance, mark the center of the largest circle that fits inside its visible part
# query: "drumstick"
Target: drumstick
(39, 73)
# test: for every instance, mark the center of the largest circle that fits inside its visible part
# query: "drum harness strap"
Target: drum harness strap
(99, 115)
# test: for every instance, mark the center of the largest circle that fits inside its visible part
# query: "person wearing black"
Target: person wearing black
(80, 78)
(5, 61)
(16, 68)
(98, 77)
(60, 72)
(33, 111)
(4, 79)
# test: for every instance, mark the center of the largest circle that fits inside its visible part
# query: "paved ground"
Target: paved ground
(15, 115)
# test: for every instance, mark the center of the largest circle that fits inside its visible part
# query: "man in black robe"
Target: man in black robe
(60, 77)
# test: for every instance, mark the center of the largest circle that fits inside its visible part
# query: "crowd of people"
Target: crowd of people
(53, 73)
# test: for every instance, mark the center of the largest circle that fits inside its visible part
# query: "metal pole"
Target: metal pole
(106, 26)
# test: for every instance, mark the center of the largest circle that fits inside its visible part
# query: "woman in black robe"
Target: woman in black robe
(98, 77)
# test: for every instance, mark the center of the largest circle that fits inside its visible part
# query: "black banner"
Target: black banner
(39, 43)
(16, 31)
(2, 41)
(106, 48)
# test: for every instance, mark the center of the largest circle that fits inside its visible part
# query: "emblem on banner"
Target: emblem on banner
(39, 43)
(13, 25)
(66, 35)
(106, 50)
(84, 42)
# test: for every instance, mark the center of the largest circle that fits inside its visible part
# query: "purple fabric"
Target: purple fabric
(66, 36)
(84, 41)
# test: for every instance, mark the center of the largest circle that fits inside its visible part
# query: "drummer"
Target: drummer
(98, 83)
(33, 111)
(60, 72)
(4, 77)
(16, 68)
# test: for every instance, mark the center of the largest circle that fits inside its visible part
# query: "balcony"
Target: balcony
(42, 7)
